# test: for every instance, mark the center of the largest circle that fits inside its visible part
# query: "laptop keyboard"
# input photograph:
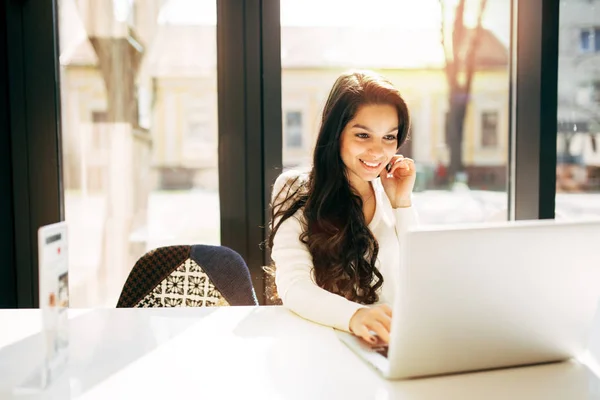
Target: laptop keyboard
(383, 350)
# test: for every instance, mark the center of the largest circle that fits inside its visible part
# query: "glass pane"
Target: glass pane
(460, 120)
(578, 146)
(139, 126)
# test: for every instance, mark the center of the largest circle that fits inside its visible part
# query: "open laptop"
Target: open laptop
(490, 296)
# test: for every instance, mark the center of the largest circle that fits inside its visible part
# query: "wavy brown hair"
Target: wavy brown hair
(343, 248)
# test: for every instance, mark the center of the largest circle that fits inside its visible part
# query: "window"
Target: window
(489, 129)
(134, 177)
(589, 40)
(198, 130)
(293, 129)
(595, 96)
(578, 153)
(451, 162)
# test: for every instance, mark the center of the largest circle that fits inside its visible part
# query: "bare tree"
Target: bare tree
(460, 59)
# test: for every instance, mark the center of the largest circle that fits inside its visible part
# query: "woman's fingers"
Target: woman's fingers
(384, 320)
(382, 332)
(373, 324)
(395, 159)
(404, 165)
(365, 333)
(379, 321)
(387, 309)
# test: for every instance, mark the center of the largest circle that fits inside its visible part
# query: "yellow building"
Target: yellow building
(177, 97)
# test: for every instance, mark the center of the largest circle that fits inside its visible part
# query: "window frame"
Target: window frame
(250, 146)
(534, 96)
(31, 85)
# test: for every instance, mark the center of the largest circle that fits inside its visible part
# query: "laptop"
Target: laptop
(478, 297)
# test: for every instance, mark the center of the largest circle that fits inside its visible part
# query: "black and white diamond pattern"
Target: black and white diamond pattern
(187, 286)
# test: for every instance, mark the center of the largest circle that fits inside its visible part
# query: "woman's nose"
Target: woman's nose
(376, 150)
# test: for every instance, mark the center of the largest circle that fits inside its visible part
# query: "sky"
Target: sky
(412, 14)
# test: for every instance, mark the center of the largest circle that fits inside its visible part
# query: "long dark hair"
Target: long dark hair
(343, 248)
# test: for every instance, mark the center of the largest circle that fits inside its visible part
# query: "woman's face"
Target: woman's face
(368, 142)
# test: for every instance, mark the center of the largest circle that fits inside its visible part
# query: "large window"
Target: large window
(578, 146)
(461, 146)
(139, 135)
(138, 91)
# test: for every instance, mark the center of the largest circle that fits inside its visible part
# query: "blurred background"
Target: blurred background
(140, 117)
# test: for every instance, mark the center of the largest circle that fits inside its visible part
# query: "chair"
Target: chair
(188, 276)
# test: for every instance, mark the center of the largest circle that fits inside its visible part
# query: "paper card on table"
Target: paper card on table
(54, 303)
(54, 296)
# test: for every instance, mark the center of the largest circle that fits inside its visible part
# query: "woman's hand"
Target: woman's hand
(376, 319)
(399, 181)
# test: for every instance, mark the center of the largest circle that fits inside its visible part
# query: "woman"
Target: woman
(335, 232)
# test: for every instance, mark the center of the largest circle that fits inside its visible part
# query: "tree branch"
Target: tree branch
(474, 46)
(449, 66)
(443, 29)
(458, 34)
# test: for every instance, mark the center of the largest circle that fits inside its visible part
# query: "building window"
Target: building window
(293, 129)
(489, 129)
(198, 129)
(589, 40)
(99, 140)
(595, 96)
(198, 132)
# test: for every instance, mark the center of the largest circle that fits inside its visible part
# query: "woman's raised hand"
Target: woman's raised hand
(399, 181)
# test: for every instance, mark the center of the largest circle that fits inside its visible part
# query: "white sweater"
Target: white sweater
(293, 263)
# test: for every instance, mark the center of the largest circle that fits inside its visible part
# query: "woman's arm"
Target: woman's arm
(295, 284)
(293, 268)
(406, 217)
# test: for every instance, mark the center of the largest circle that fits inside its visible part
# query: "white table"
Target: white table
(244, 353)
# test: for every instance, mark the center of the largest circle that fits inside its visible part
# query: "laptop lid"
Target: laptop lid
(490, 296)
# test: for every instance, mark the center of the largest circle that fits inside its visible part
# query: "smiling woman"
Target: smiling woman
(335, 232)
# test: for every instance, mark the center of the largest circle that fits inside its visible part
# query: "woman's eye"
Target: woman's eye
(362, 135)
(390, 137)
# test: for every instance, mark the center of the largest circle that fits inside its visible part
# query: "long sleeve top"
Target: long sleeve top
(294, 268)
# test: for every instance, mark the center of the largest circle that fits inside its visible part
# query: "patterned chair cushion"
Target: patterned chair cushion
(188, 276)
(150, 270)
(187, 286)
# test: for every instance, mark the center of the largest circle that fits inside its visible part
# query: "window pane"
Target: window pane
(578, 147)
(489, 129)
(293, 129)
(139, 134)
(585, 40)
(459, 137)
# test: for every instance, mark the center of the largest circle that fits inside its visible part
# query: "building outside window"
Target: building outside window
(578, 133)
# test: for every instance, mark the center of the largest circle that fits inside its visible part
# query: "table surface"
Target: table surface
(245, 352)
